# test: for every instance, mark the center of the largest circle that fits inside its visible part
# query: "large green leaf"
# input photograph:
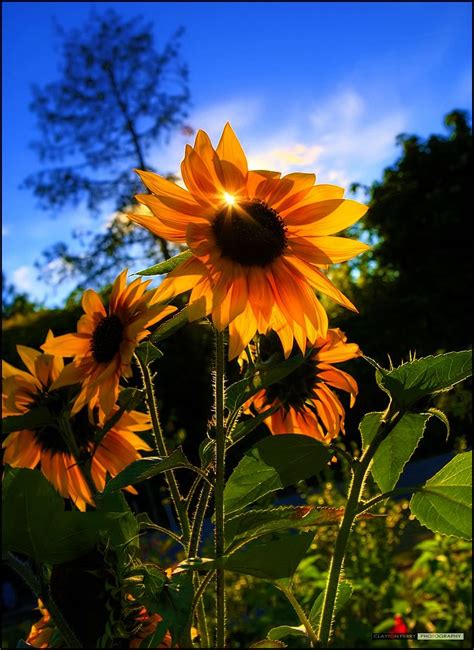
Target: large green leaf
(173, 603)
(273, 463)
(256, 523)
(32, 419)
(145, 468)
(344, 592)
(444, 504)
(267, 374)
(283, 631)
(397, 449)
(413, 380)
(167, 265)
(147, 352)
(271, 557)
(36, 524)
(170, 326)
(368, 427)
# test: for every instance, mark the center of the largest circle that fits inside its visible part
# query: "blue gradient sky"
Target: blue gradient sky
(321, 87)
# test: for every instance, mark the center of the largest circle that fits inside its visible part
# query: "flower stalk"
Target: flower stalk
(352, 509)
(219, 533)
(160, 446)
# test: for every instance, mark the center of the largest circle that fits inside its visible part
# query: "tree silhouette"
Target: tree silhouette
(116, 97)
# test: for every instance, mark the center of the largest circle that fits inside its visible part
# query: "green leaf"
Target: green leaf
(397, 449)
(248, 425)
(254, 523)
(283, 631)
(147, 352)
(268, 643)
(33, 419)
(271, 557)
(170, 326)
(344, 592)
(129, 399)
(368, 427)
(267, 374)
(123, 528)
(413, 380)
(173, 604)
(444, 503)
(145, 468)
(206, 451)
(167, 265)
(273, 463)
(36, 524)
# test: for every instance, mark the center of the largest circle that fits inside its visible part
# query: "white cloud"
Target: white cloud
(23, 278)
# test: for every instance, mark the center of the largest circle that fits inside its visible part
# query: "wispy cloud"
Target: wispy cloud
(23, 278)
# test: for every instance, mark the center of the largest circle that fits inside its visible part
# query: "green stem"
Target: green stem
(194, 541)
(83, 466)
(161, 450)
(360, 472)
(304, 620)
(219, 532)
(25, 572)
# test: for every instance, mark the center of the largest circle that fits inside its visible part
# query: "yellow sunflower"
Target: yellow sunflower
(304, 400)
(45, 445)
(105, 341)
(259, 242)
(41, 633)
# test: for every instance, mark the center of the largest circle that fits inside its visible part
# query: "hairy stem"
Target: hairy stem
(302, 616)
(196, 529)
(161, 450)
(219, 532)
(360, 472)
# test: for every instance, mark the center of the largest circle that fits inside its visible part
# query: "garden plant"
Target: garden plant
(256, 247)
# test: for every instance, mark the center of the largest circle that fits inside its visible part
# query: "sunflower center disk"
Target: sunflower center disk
(250, 233)
(106, 339)
(296, 388)
(49, 437)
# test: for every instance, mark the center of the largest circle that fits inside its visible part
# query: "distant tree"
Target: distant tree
(414, 286)
(116, 97)
(13, 302)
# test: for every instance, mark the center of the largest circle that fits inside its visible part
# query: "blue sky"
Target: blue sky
(315, 86)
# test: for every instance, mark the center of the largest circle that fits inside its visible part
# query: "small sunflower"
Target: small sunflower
(304, 400)
(46, 445)
(105, 341)
(259, 242)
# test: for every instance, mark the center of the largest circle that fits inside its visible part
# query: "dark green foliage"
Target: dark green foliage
(116, 97)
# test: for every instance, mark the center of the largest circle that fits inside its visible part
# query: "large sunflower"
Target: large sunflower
(45, 445)
(105, 341)
(258, 242)
(304, 400)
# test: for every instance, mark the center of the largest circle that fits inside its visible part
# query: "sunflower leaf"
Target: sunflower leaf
(269, 643)
(415, 379)
(283, 631)
(33, 419)
(248, 425)
(147, 352)
(167, 265)
(273, 463)
(271, 557)
(36, 524)
(344, 592)
(266, 375)
(444, 503)
(251, 524)
(130, 398)
(171, 326)
(145, 468)
(397, 449)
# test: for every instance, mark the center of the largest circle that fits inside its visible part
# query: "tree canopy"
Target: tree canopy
(117, 97)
